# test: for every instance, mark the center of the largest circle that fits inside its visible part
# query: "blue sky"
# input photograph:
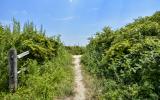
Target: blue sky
(76, 20)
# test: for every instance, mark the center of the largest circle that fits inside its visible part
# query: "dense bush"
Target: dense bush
(75, 50)
(128, 59)
(48, 73)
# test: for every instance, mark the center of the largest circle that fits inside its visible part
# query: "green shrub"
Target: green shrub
(128, 59)
(75, 50)
(49, 73)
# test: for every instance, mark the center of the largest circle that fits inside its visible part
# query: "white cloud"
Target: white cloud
(64, 18)
(22, 12)
(70, 1)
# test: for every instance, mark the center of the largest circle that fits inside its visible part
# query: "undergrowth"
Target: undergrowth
(75, 50)
(93, 85)
(49, 74)
(127, 60)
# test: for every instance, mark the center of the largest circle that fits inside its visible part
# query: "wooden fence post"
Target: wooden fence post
(12, 58)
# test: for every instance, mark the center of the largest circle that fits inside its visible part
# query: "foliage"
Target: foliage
(127, 59)
(75, 50)
(49, 73)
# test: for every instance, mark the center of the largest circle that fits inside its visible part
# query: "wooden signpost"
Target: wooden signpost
(12, 70)
(12, 59)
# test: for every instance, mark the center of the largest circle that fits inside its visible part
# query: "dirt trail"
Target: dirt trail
(79, 86)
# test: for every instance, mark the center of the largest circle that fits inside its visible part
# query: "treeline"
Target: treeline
(75, 50)
(48, 73)
(127, 60)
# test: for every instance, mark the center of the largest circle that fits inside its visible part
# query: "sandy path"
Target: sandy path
(79, 86)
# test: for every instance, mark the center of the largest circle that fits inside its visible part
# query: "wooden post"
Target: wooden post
(12, 58)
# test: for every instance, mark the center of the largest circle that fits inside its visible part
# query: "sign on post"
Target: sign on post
(22, 54)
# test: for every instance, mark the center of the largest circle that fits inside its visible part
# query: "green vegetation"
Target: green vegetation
(127, 60)
(49, 73)
(93, 85)
(75, 50)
